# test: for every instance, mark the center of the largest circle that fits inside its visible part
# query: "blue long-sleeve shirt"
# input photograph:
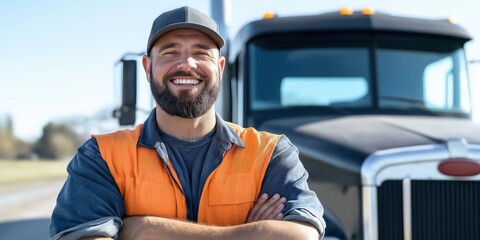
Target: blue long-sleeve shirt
(90, 203)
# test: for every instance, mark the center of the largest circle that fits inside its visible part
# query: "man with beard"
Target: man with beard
(186, 173)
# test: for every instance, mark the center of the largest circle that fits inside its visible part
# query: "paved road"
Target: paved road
(25, 209)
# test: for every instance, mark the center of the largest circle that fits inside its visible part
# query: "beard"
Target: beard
(185, 105)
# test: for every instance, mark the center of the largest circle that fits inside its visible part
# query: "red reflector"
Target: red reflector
(459, 167)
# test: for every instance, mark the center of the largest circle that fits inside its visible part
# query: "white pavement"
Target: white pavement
(29, 200)
(25, 209)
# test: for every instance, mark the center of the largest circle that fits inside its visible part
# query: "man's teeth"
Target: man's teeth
(186, 81)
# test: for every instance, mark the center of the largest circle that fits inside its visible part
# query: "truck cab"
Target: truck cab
(378, 105)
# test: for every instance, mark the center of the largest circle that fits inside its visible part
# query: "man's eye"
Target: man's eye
(202, 54)
(170, 53)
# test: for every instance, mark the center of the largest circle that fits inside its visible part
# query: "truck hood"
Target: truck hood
(348, 140)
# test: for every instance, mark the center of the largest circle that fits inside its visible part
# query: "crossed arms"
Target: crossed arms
(261, 224)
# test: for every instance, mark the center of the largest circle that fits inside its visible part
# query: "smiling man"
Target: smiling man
(186, 173)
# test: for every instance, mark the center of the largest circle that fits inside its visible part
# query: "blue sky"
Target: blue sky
(57, 57)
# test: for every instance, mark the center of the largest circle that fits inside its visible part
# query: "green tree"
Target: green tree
(58, 141)
(7, 139)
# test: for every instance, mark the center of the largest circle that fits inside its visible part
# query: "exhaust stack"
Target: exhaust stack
(220, 10)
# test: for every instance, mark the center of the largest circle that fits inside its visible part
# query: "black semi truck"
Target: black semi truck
(379, 107)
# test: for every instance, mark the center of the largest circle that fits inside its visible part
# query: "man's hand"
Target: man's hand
(267, 209)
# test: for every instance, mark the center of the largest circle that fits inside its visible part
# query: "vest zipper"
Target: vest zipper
(204, 177)
(162, 152)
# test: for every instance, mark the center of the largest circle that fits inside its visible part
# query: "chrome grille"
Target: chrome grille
(440, 210)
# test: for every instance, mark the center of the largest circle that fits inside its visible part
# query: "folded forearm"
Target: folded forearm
(162, 228)
(274, 230)
(95, 238)
(158, 228)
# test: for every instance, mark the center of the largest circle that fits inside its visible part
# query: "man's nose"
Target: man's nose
(187, 63)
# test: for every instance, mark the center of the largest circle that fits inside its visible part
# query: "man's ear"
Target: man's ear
(147, 63)
(221, 65)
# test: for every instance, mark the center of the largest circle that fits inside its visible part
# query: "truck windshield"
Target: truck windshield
(416, 72)
(339, 70)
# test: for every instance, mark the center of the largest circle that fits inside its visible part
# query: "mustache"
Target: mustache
(181, 73)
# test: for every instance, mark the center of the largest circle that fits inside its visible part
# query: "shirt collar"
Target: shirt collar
(226, 133)
(150, 135)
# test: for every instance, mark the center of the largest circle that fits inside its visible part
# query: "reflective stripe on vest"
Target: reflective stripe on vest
(149, 189)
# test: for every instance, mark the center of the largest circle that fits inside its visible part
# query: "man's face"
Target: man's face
(185, 71)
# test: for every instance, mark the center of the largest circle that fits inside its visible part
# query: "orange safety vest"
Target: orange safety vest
(147, 187)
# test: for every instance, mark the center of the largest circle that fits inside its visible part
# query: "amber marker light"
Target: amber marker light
(368, 11)
(345, 11)
(269, 15)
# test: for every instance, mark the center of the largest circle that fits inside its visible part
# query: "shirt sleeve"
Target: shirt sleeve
(286, 175)
(90, 203)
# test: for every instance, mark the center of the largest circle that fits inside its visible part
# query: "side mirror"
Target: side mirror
(126, 113)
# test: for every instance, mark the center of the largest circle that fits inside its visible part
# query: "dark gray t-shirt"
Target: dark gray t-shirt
(190, 155)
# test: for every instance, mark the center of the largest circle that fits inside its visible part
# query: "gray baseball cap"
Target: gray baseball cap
(184, 17)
